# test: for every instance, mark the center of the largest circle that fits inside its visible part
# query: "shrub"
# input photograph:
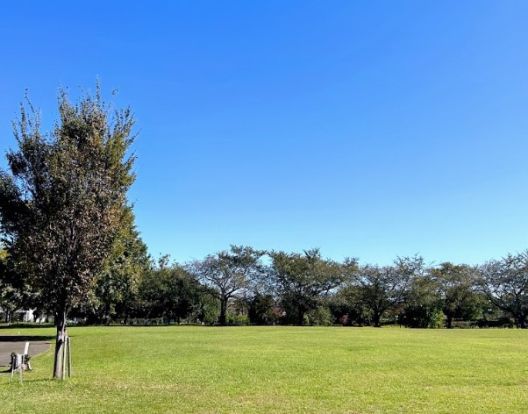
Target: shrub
(237, 320)
(320, 316)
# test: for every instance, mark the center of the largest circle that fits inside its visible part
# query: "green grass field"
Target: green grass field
(279, 369)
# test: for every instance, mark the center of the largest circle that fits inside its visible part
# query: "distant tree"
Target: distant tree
(116, 287)
(261, 309)
(422, 303)
(320, 316)
(383, 288)
(169, 291)
(15, 294)
(260, 299)
(9, 298)
(302, 280)
(207, 309)
(457, 286)
(347, 307)
(62, 202)
(228, 273)
(505, 282)
(182, 293)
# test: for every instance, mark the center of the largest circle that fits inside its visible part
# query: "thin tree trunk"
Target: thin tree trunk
(58, 364)
(107, 314)
(300, 317)
(521, 321)
(222, 320)
(376, 319)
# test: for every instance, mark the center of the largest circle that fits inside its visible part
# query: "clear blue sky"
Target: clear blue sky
(368, 129)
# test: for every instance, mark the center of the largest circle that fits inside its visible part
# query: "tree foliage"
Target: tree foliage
(301, 280)
(383, 287)
(457, 287)
(170, 292)
(505, 282)
(117, 286)
(422, 303)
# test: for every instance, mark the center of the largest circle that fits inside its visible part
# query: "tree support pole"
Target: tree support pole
(68, 347)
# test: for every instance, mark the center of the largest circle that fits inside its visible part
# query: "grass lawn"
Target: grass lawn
(278, 369)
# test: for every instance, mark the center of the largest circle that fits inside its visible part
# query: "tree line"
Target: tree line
(242, 286)
(69, 248)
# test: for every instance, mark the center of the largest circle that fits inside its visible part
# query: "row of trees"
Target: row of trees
(245, 285)
(305, 288)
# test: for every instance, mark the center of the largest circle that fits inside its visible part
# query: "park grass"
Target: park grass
(278, 369)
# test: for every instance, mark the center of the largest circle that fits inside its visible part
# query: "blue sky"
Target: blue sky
(368, 129)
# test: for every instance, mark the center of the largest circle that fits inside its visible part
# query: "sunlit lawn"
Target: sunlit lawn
(279, 369)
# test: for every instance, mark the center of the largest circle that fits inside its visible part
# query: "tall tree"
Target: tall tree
(505, 282)
(62, 201)
(228, 273)
(303, 279)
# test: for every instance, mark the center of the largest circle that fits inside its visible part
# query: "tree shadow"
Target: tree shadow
(25, 325)
(25, 338)
(24, 381)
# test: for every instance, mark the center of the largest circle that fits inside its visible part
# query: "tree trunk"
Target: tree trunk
(376, 319)
(449, 321)
(300, 316)
(222, 320)
(107, 314)
(58, 364)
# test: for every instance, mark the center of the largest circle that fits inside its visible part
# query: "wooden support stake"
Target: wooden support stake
(63, 357)
(25, 358)
(13, 364)
(69, 356)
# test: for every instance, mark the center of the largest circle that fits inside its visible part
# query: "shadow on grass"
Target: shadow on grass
(25, 338)
(25, 325)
